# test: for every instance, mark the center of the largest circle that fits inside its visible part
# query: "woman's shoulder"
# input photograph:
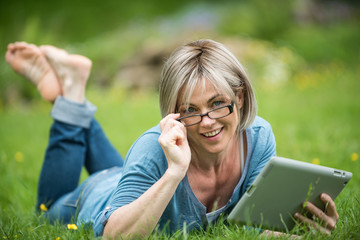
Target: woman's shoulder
(154, 130)
(149, 137)
(146, 146)
(260, 133)
(260, 123)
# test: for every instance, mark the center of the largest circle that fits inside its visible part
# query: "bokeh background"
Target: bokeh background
(129, 39)
(303, 57)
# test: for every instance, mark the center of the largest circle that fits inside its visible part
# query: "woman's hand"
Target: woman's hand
(323, 221)
(173, 140)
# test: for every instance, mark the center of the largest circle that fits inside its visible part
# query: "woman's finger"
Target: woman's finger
(315, 211)
(330, 206)
(310, 223)
(170, 135)
(173, 133)
(276, 234)
(169, 121)
(323, 219)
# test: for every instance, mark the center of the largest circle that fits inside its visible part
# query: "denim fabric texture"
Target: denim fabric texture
(73, 113)
(70, 148)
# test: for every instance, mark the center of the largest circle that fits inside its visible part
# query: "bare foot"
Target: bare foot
(72, 71)
(27, 60)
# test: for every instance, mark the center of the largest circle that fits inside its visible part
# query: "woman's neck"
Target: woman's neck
(213, 178)
(205, 162)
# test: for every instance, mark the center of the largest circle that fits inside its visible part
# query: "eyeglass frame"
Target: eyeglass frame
(229, 106)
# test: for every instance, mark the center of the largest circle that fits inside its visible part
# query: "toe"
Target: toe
(51, 49)
(20, 45)
(9, 56)
(54, 55)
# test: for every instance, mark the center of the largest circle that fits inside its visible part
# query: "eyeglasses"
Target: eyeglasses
(213, 114)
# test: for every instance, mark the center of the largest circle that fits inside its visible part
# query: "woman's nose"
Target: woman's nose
(206, 121)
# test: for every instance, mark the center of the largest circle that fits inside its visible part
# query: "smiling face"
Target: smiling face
(210, 136)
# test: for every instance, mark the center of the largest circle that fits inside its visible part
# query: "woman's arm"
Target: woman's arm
(139, 218)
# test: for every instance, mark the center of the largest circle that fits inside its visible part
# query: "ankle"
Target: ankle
(75, 97)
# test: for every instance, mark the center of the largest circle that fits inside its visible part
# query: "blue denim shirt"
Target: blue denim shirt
(144, 165)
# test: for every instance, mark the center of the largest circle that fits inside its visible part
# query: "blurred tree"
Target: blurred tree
(258, 18)
(117, 27)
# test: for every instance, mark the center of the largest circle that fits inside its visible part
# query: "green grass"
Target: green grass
(309, 121)
(314, 112)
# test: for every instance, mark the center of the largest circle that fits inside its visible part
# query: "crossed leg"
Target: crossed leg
(56, 72)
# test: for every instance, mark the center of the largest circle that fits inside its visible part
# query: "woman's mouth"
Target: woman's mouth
(212, 133)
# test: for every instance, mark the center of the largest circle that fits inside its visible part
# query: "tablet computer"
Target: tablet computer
(281, 188)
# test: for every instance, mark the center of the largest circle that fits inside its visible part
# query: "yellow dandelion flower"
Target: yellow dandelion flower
(354, 157)
(19, 157)
(72, 226)
(316, 161)
(43, 207)
(58, 238)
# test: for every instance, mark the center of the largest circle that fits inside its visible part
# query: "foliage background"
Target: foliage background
(302, 56)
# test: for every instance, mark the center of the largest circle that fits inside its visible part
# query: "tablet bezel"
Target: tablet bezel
(281, 188)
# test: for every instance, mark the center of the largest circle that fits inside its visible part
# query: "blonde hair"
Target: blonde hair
(206, 60)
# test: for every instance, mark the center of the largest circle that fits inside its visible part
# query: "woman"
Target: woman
(189, 169)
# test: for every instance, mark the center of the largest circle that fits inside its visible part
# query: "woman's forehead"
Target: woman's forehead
(203, 91)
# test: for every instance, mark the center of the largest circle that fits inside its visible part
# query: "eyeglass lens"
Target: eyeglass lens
(214, 114)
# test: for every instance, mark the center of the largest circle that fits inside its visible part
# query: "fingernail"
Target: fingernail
(323, 196)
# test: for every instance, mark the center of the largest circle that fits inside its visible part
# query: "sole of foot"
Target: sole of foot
(72, 71)
(27, 60)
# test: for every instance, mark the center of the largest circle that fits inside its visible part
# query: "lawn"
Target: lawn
(305, 74)
(315, 118)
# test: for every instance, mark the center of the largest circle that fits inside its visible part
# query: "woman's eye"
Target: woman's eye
(218, 103)
(190, 110)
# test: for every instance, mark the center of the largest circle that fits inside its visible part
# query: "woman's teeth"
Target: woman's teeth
(211, 134)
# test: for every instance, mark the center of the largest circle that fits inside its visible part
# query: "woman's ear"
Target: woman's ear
(240, 98)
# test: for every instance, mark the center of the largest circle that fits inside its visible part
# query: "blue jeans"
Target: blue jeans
(70, 148)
